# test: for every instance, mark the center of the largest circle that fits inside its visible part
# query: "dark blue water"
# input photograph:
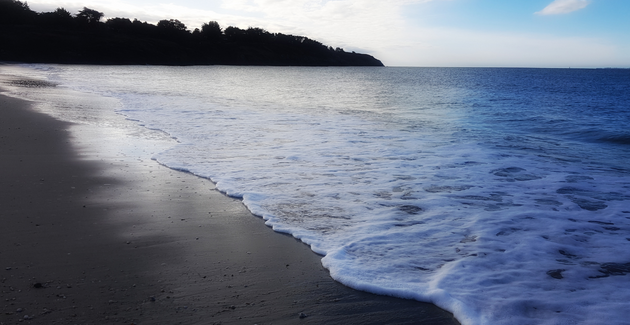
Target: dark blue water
(586, 109)
(570, 104)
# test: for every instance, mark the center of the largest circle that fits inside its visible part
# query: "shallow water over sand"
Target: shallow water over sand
(501, 195)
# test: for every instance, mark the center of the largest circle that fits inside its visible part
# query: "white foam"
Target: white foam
(400, 195)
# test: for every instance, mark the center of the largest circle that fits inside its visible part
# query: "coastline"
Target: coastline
(88, 237)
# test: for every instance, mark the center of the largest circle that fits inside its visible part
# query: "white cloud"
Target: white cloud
(559, 7)
(441, 47)
(361, 25)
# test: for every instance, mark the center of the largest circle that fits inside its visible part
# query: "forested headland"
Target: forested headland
(83, 38)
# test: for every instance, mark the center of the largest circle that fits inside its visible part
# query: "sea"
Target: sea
(499, 194)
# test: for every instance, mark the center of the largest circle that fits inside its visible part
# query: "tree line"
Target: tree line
(83, 38)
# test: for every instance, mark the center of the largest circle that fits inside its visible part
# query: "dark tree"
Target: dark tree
(89, 16)
(60, 18)
(144, 28)
(211, 30)
(234, 33)
(173, 29)
(62, 13)
(85, 39)
(13, 6)
(119, 24)
(256, 34)
(172, 25)
(15, 12)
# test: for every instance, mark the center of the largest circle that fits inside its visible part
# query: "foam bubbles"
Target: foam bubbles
(411, 197)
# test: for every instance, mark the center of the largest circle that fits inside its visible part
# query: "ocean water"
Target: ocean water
(501, 195)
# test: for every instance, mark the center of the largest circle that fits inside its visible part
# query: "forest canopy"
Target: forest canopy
(86, 38)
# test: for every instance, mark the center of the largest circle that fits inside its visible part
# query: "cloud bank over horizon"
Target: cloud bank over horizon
(406, 32)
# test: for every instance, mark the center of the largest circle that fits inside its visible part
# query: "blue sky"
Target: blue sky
(502, 33)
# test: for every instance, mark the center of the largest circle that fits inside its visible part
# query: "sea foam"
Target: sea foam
(425, 184)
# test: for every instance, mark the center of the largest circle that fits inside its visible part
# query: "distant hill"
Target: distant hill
(60, 37)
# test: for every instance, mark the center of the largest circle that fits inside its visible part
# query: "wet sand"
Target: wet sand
(87, 238)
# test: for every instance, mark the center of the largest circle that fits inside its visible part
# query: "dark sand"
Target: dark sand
(96, 240)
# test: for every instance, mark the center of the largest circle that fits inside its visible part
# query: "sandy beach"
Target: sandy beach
(87, 238)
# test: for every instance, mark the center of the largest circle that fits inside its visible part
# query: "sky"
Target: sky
(424, 33)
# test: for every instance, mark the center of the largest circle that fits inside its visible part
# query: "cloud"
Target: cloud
(467, 48)
(559, 7)
(364, 25)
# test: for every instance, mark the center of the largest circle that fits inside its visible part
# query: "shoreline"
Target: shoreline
(91, 238)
